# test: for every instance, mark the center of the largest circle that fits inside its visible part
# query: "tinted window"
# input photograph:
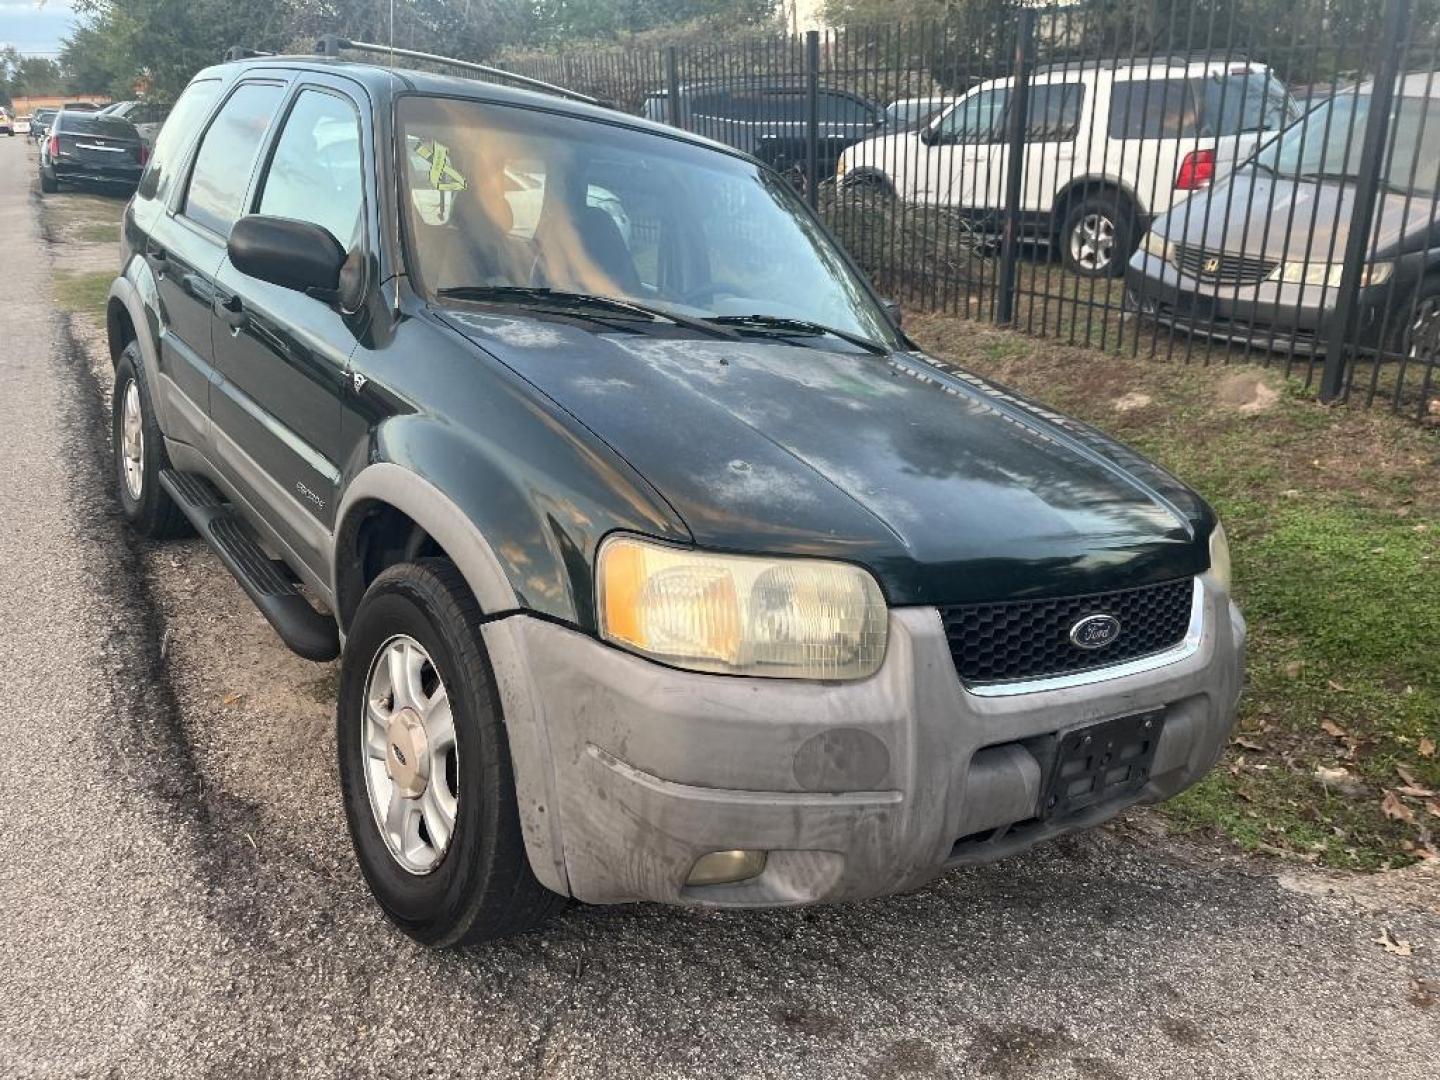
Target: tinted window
(315, 173)
(1234, 103)
(1054, 112)
(842, 109)
(170, 144)
(105, 127)
(227, 156)
(1153, 109)
(979, 118)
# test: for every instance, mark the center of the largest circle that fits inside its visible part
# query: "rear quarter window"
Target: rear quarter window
(180, 128)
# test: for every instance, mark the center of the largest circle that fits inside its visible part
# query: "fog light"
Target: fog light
(726, 867)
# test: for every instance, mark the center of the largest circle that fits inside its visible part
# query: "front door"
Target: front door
(283, 355)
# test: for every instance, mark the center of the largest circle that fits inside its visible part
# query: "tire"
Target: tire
(1418, 336)
(150, 511)
(478, 885)
(48, 184)
(1098, 236)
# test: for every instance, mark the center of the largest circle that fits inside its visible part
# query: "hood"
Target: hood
(948, 490)
(1279, 219)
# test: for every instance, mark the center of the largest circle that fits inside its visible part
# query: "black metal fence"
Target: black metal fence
(1213, 185)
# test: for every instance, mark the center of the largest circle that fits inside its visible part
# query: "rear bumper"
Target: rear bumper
(628, 772)
(78, 173)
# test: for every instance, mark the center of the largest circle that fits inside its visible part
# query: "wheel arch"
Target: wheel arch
(1083, 187)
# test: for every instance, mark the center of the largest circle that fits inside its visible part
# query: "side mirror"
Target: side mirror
(293, 254)
(931, 135)
(893, 313)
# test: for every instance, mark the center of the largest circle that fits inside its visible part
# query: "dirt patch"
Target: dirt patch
(1246, 392)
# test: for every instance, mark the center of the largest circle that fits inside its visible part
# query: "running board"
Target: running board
(267, 582)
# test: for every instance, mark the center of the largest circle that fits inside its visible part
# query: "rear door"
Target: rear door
(185, 245)
(283, 355)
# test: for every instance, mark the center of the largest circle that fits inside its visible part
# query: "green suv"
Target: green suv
(661, 564)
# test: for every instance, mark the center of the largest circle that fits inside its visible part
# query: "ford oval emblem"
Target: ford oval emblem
(1095, 632)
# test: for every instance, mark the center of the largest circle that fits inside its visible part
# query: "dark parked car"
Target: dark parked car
(1258, 257)
(82, 148)
(768, 119)
(40, 122)
(666, 567)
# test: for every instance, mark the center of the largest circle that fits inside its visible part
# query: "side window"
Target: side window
(843, 109)
(979, 118)
(194, 103)
(227, 156)
(1054, 112)
(1152, 109)
(315, 173)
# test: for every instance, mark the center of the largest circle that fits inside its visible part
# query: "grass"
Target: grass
(98, 232)
(84, 294)
(1334, 524)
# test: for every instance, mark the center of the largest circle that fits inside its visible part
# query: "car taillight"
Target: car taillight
(144, 154)
(1196, 170)
(54, 146)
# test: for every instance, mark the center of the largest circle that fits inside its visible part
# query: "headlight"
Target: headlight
(1319, 273)
(1157, 245)
(1220, 556)
(739, 614)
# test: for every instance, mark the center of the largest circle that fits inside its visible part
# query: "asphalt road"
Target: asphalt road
(177, 896)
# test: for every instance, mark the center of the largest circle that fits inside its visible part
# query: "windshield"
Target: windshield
(1327, 143)
(503, 196)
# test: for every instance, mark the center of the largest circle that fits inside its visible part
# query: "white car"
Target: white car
(1108, 148)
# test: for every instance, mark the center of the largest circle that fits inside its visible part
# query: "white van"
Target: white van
(1108, 146)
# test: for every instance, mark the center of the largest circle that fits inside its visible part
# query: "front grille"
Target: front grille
(1223, 267)
(1030, 639)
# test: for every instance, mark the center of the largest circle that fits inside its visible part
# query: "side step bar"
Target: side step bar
(267, 582)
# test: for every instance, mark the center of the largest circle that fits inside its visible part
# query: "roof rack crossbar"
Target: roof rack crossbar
(330, 45)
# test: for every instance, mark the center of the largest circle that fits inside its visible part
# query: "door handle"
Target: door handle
(232, 309)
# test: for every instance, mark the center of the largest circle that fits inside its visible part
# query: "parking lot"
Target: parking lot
(181, 897)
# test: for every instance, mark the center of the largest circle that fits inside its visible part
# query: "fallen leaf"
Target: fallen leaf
(1426, 748)
(1333, 685)
(1396, 810)
(1392, 945)
(1248, 744)
(231, 699)
(1407, 776)
(1415, 792)
(1292, 669)
(1333, 729)
(1433, 808)
(1336, 775)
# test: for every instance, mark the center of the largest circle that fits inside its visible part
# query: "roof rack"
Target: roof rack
(334, 44)
(239, 52)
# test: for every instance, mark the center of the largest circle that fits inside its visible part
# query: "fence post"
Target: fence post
(1019, 117)
(1367, 186)
(812, 115)
(672, 87)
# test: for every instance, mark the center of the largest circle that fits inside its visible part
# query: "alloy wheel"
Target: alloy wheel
(1092, 242)
(132, 442)
(411, 757)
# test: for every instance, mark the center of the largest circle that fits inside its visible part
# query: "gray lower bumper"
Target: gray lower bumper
(627, 771)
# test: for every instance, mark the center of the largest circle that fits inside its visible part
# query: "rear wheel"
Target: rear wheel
(48, 184)
(425, 766)
(140, 453)
(1098, 236)
(1420, 339)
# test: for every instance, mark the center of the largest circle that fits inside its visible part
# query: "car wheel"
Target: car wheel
(140, 453)
(48, 184)
(1098, 236)
(425, 768)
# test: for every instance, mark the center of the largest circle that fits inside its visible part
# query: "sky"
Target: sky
(35, 27)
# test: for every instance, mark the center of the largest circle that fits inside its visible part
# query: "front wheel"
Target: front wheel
(1098, 236)
(425, 767)
(1420, 337)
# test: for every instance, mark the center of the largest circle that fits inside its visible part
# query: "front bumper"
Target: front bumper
(628, 772)
(1268, 315)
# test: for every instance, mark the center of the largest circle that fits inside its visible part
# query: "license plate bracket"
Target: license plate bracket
(1101, 762)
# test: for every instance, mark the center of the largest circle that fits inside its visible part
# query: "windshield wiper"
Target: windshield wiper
(574, 303)
(790, 327)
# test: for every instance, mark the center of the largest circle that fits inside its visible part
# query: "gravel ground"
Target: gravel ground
(179, 898)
